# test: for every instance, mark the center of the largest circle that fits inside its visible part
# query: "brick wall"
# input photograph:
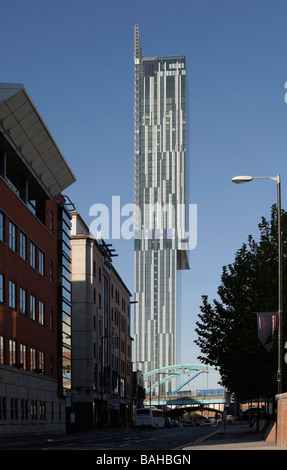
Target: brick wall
(281, 420)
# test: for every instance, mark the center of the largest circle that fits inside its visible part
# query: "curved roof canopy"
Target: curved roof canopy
(24, 128)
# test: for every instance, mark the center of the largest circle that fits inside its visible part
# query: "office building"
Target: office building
(102, 345)
(35, 292)
(160, 198)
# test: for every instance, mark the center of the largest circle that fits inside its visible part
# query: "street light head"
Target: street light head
(241, 179)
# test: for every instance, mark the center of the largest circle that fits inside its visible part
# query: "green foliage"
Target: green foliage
(227, 328)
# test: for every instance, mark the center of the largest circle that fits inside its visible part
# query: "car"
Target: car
(206, 422)
(188, 422)
(167, 422)
(174, 423)
(212, 421)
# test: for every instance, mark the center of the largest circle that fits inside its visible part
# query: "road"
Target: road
(112, 439)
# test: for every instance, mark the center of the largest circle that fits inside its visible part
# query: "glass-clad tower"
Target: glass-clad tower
(160, 199)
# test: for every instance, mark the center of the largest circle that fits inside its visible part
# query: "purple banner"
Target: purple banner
(267, 327)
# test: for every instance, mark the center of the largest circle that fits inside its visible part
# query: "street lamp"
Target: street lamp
(163, 380)
(148, 379)
(246, 179)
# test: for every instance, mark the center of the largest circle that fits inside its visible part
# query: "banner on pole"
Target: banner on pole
(267, 327)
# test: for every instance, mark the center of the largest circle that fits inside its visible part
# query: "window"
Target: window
(42, 361)
(3, 408)
(14, 408)
(33, 255)
(51, 319)
(34, 409)
(23, 246)
(42, 410)
(2, 350)
(51, 271)
(41, 313)
(2, 227)
(51, 222)
(23, 301)
(123, 325)
(52, 366)
(32, 358)
(2, 289)
(12, 236)
(12, 295)
(41, 263)
(24, 408)
(33, 307)
(12, 352)
(23, 356)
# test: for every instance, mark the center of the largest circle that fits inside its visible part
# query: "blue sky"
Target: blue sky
(75, 59)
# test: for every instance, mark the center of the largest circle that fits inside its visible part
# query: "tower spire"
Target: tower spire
(137, 45)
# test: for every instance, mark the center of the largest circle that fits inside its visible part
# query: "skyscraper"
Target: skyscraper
(160, 198)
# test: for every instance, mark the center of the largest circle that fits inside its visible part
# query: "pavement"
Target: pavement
(235, 437)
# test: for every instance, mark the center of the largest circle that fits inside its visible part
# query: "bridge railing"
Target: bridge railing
(195, 396)
(218, 392)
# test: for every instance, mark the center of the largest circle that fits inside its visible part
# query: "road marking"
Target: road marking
(197, 441)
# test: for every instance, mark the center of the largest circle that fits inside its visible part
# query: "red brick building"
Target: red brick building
(35, 287)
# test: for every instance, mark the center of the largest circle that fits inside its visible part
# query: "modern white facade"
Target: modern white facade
(160, 196)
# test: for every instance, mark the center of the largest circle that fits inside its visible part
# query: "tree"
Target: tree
(227, 329)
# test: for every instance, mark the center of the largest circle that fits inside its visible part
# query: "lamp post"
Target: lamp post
(149, 382)
(161, 380)
(246, 179)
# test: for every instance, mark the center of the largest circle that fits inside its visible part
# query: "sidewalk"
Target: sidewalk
(235, 437)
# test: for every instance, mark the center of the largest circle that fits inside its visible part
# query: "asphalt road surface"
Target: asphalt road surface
(112, 439)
